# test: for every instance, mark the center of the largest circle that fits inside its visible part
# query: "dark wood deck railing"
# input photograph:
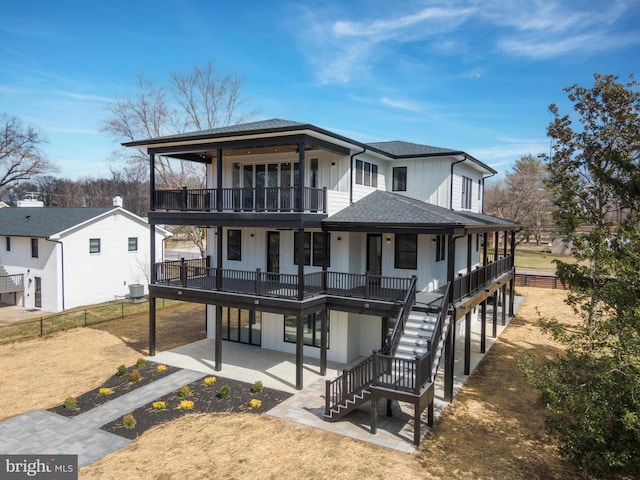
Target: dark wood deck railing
(393, 339)
(268, 199)
(466, 285)
(11, 283)
(351, 382)
(196, 274)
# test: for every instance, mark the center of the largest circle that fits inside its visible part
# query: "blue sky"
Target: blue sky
(474, 75)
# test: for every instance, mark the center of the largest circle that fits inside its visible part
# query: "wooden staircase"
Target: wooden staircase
(405, 369)
(10, 283)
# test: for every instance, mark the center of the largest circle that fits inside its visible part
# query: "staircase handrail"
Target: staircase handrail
(434, 345)
(352, 381)
(409, 301)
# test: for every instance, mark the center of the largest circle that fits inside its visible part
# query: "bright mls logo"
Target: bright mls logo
(50, 467)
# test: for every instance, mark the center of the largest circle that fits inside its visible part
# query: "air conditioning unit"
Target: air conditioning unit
(136, 291)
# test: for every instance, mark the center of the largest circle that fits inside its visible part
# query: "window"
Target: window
(359, 172)
(133, 244)
(234, 245)
(8, 244)
(406, 251)
(399, 179)
(34, 248)
(479, 189)
(441, 248)
(467, 187)
(366, 173)
(311, 240)
(306, 246)
(311, 329)
(318, 249)
(94, 245)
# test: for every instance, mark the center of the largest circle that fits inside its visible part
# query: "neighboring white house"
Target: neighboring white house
(58, 258)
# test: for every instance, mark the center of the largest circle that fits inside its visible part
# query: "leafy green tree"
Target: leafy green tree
(592, 391)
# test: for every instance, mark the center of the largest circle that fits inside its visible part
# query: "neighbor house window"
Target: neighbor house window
(94, 245)
(359, 172)
(234, 245)
(406, 251)
(8, 244)
(441, 248)
(479, 189)
(399, 179)
(311, 329)
(374, 175)
(467, 187)
(133, 244)
(34, 248)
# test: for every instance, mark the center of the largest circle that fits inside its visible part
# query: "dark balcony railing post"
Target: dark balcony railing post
(258, 282)
(184, 199)
(366, 284)
(327, 397)
(324, 200)
(345, 385)
(183, 272)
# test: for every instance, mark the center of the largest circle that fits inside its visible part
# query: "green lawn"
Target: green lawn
(538, 259)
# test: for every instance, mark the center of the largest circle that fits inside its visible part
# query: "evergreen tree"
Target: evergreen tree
(592, 392)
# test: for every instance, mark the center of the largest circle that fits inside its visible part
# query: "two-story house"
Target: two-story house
(56, 258)
(328, 247)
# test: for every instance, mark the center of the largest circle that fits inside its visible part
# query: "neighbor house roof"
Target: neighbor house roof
(45, 221)
(393, 211)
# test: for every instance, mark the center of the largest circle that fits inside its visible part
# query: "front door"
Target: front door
(374, 254)
(37, 294)
(273, 252)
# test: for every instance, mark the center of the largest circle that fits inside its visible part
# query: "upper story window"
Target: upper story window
(313, 247)
(441, 247)
(467, 188)
(234, 245)
(8, 244)
(399, 179)
(406, 251)
(94, 245)
(479, 189)
(366, 173)
(133, 244)
(34, 248)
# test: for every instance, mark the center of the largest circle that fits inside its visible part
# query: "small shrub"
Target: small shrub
(141, 362)
(255, 403)
(161, 368)
(158, 405)
(121, 370)
(257, 387)
(186, 404)
(128, 421)
(184, 391)
(224, 391)
(210, 380)
(105, 391)
(70, 403)
(135, 376)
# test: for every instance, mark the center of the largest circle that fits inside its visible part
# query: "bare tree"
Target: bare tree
(199, 100)
(523, 196)
(20, 155)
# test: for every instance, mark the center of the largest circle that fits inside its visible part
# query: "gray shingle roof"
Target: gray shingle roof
(43, 222)
(382, 208)
(398, 148)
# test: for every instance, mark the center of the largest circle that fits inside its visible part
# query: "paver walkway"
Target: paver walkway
(41, 431)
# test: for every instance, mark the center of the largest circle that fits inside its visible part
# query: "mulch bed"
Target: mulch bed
(120, 384)
(205, 399)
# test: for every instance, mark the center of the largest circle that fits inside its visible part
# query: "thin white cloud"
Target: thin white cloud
(407, 105)
(342, 49)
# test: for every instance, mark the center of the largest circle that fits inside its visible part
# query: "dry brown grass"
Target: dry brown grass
(493, 429)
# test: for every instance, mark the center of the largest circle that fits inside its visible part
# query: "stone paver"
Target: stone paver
(41, 431)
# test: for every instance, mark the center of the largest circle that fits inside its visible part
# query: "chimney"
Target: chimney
(117, 201)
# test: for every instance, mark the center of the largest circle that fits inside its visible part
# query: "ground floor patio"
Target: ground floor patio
(278, 370)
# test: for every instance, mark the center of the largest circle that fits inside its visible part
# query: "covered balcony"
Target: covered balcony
(268, 199)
